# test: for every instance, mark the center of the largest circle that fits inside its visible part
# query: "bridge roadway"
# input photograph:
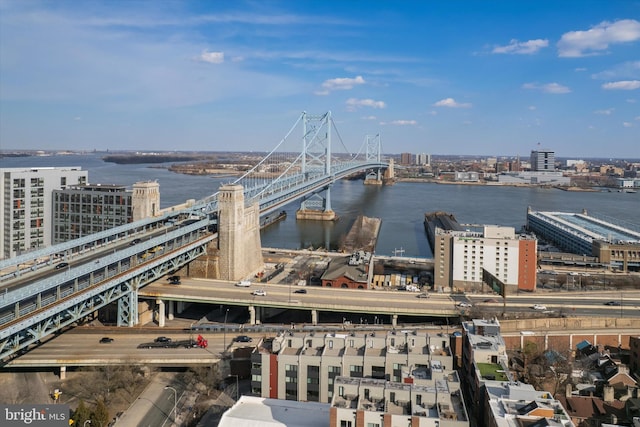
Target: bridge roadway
(387, 302)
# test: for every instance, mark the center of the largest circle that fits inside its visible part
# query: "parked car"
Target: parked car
(259, 293)
(300, 291)
(538, 307)
(106, 340)
(62, 265)
(243, 338)
(162, 339)
(612, 303)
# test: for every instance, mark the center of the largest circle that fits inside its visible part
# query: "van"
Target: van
(243, 284)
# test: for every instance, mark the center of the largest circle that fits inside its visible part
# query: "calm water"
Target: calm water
(401, 206)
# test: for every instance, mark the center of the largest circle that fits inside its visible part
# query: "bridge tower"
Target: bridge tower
(373, 147)
(238, 234)
(316, 158)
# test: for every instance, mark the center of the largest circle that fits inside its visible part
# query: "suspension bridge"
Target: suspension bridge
(37, 299)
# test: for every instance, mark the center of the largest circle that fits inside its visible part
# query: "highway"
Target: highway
(392, 302)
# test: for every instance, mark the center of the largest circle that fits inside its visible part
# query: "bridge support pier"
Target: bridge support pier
(171, 309)
(314, 317)
(161, 313)
(63, 372)
(394, 320)
(252, 315)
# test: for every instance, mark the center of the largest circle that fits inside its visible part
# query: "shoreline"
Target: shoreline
(495, 184)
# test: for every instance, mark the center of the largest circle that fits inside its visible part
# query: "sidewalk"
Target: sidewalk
(146, 401)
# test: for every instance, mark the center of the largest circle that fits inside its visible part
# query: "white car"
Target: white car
(244, 283)
(538, 307)
(259, 293)
(464, 305)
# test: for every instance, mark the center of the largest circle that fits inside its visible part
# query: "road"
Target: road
(389, 302)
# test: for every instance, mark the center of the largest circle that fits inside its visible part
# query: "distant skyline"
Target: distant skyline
(455, 78)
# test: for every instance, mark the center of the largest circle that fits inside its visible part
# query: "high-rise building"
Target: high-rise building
(543, 161)
(423, 159)
(406, 159)
(26, 203)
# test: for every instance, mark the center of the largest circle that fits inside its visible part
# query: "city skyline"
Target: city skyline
(472, 78)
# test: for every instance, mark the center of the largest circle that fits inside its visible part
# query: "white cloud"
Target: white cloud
(580, 69)
(622, 85)
(522, 48)
(596, 39)
(403, 123)
(353, 103)
(606, 112)
(637, 118)
(211, 57)
(627, 124)
(340, 83)
(369, 118)
(532, 107)
(451, 103)
(554, 88)
(624, 70)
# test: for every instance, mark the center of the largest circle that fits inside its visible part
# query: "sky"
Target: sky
(440, 77)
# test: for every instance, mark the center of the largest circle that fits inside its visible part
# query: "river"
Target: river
(401, 207)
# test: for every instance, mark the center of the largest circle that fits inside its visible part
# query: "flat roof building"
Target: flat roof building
(543, 160)
(461, 256)
(26, 205)
(614, 245)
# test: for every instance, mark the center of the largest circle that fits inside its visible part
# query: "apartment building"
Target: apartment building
(26, 203)
(325, 368)
(460, 256)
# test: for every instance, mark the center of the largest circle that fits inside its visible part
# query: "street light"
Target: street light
(175, 402)
(237, 387)
(224, 332)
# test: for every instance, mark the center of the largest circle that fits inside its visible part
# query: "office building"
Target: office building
(534, 178)
(543, 161)
(460, 256)
(82, 210)
(614, 245)
(26, 203)
(86, 209)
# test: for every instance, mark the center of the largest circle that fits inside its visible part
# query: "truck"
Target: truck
(199, 342)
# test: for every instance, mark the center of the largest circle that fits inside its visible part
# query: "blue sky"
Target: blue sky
(440, 77)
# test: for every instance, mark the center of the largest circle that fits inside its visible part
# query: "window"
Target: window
(344, 423)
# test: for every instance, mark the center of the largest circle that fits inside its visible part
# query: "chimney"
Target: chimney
(608, 394)
(568, 390)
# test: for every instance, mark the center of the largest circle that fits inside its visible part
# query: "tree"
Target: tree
(100, 415)
(81, 414)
